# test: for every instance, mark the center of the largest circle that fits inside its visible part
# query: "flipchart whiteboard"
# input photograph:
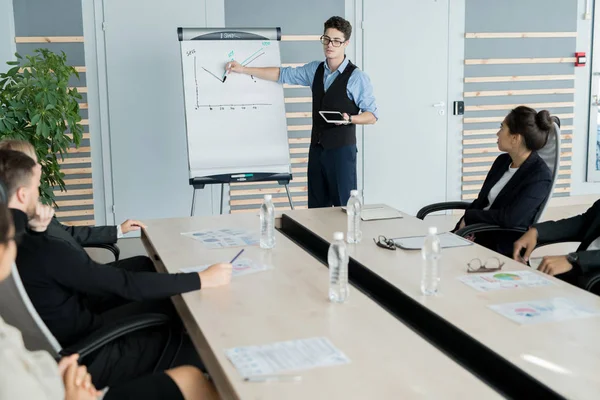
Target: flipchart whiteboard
(235, 125)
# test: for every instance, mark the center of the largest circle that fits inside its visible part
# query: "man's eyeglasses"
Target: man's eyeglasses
(385, 243)
(335, 42)
(491, 265)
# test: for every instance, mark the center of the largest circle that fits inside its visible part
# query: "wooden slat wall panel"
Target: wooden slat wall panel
(247, 197)
(76, 205)
(519, 35)
(492, 61)
(49, 39)
(490, 95)
(524, 78)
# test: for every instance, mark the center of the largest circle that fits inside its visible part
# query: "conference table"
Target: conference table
(552, 358)
(289, 301)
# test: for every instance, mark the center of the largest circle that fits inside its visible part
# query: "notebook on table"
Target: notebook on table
(447, 240)
(377, 212)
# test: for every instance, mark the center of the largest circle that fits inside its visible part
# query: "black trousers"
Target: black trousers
(135, 264)
(331, 175)
(149, 387)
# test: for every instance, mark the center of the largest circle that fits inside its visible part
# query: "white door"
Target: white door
(406, 57)
(594, 126)
(146, 109)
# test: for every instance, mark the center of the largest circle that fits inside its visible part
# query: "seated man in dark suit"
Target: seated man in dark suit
(584, 228)
(80, 236)
(58, 278)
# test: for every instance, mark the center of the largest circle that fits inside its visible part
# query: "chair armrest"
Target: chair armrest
(590, 282)
(549, 243)
(114, 331)
(113, 248)
(448, 205)
(478, 228)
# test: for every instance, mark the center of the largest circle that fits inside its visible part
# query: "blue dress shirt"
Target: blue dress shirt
(359, 88)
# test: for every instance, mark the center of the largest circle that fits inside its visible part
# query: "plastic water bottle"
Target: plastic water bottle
(337, 258)
(353, 209)
(431, 253)
(267, 223)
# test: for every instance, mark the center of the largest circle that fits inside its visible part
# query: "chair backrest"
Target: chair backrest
(17, 310)
(550, 153)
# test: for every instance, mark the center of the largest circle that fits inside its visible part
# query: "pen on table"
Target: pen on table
(273, 378)
(236, 256)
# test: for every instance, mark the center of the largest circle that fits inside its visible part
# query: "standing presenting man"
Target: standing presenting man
(337, 85)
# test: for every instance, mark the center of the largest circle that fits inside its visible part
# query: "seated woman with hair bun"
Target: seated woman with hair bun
(518, 181)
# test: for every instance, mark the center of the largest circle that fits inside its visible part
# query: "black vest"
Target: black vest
(335, 99)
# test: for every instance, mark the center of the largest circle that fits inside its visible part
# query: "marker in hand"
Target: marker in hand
(227, 69)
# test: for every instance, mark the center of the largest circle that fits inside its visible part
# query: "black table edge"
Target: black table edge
(501, 375)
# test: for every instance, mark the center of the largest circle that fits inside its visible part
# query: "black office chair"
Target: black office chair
(113, 248)
(550, 153)
(17, 310)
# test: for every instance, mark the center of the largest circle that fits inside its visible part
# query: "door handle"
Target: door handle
(440, 104)
(595, 100)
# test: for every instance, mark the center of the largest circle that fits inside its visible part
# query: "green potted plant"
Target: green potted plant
(37, 105)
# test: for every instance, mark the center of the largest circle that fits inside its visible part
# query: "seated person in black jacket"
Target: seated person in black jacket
(584, 228)
(519, 180)
(81, 236)
(58, 278)
(36, 373)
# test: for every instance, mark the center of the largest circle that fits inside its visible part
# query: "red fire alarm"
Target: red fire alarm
(580, 59)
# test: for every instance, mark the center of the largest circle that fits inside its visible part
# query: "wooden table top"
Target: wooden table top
(290, 301)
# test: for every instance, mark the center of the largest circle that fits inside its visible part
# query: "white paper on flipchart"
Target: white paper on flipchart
(447, 240)
(292, 355)
(238, 125)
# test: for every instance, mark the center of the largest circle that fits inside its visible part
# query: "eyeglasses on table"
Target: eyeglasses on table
(492, 264)
(385, 243)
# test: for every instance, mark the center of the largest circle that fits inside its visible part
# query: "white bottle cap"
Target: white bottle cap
(338, 236)
(268, 197)
(354, 193)
(432, 230)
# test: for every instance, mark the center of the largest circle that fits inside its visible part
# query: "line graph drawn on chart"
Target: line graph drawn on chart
(216, 77)
(196, 81)
(253, 57)
(205, 90)
(233, 107)
(250, 59)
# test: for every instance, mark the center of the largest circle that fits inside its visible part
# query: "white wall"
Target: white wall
(138, 131)
(449, 170)
(579, 184)
(456, 73)
(7, 34)
(354, 13)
